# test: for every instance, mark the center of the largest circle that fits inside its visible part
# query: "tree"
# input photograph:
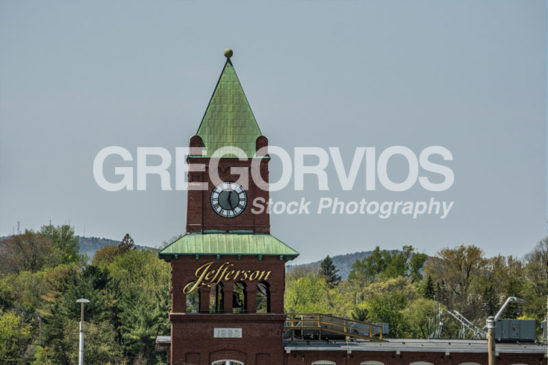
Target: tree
(127, 243)
(143, 317)
(105, 255)
(460, 273)
(419, 315)
(309, 294)
(14, 336)
(29, 251)
(360, 314)
(429, 291)
(387, 307)
(536, 280)
(490, 302)
(416, 264)
(65, 241)
(381, 265)
(329, 272)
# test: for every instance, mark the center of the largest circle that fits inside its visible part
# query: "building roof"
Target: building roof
(228, 120)
(405, 345)
(244, 244)
(412, 345)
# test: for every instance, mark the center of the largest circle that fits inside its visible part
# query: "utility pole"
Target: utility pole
(491, 340)
(81, 346)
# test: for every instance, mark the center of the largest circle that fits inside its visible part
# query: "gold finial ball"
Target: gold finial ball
(228, 53)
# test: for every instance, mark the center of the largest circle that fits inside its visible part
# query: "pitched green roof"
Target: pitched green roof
(228, 120)
(228, 244)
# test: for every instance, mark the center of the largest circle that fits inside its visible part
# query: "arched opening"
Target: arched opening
(193, 301)
(239, 298)
(324, 362)
(227, 362)
(263, 298)
(216, 298)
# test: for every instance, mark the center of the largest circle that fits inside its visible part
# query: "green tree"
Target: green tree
(429, 291)
(65, 241)
(360, 314)
(329, 272)
(383, 264)
(309, 294)
(419, 315)
(14, 337)
(536, 281)
(461, 273)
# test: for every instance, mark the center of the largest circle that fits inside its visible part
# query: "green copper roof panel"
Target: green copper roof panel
(228, 244)
(228, 120)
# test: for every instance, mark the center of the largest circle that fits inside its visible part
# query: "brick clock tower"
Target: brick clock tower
(228, 272)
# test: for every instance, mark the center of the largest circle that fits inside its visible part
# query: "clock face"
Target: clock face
(228, 199)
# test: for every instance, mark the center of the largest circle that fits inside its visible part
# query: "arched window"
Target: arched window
(263, 297)
(227, 362)
(239, 298)
(324, 362)
(193, 301)
(216, 298)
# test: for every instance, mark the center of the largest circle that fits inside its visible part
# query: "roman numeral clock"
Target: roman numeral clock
(228, 271)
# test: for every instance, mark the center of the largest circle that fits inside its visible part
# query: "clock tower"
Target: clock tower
(228, 272)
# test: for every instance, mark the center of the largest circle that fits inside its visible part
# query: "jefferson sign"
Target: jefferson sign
(207, 275)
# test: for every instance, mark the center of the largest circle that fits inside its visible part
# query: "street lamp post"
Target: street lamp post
(491, 354)
(81, 347)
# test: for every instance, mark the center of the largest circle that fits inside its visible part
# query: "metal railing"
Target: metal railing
(324, 326)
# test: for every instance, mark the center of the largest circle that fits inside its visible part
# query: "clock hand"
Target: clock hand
(230, 200)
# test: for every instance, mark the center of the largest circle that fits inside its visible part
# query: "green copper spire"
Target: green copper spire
(228, 120)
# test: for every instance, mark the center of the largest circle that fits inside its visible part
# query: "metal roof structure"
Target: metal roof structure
(234, 244)
(403, 345)
(412, 345)
(228, 120)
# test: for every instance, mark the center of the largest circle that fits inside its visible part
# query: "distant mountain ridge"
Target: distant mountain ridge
(90, 245)
(342, 262)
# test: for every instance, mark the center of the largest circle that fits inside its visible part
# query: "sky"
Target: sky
(78, 76)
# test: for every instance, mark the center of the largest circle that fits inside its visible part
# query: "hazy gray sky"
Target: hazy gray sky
(78, 76)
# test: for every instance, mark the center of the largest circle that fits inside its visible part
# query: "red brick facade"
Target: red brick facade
(200, 216)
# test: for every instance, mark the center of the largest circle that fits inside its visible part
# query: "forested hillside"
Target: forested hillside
(90, 245)
(343, 263)
(413, 292)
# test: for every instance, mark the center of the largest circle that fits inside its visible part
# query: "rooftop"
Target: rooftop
(234, 244)
(228, 120)
(413, 345)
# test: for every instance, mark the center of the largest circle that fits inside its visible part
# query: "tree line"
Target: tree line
(412, 292)
(42, 274)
